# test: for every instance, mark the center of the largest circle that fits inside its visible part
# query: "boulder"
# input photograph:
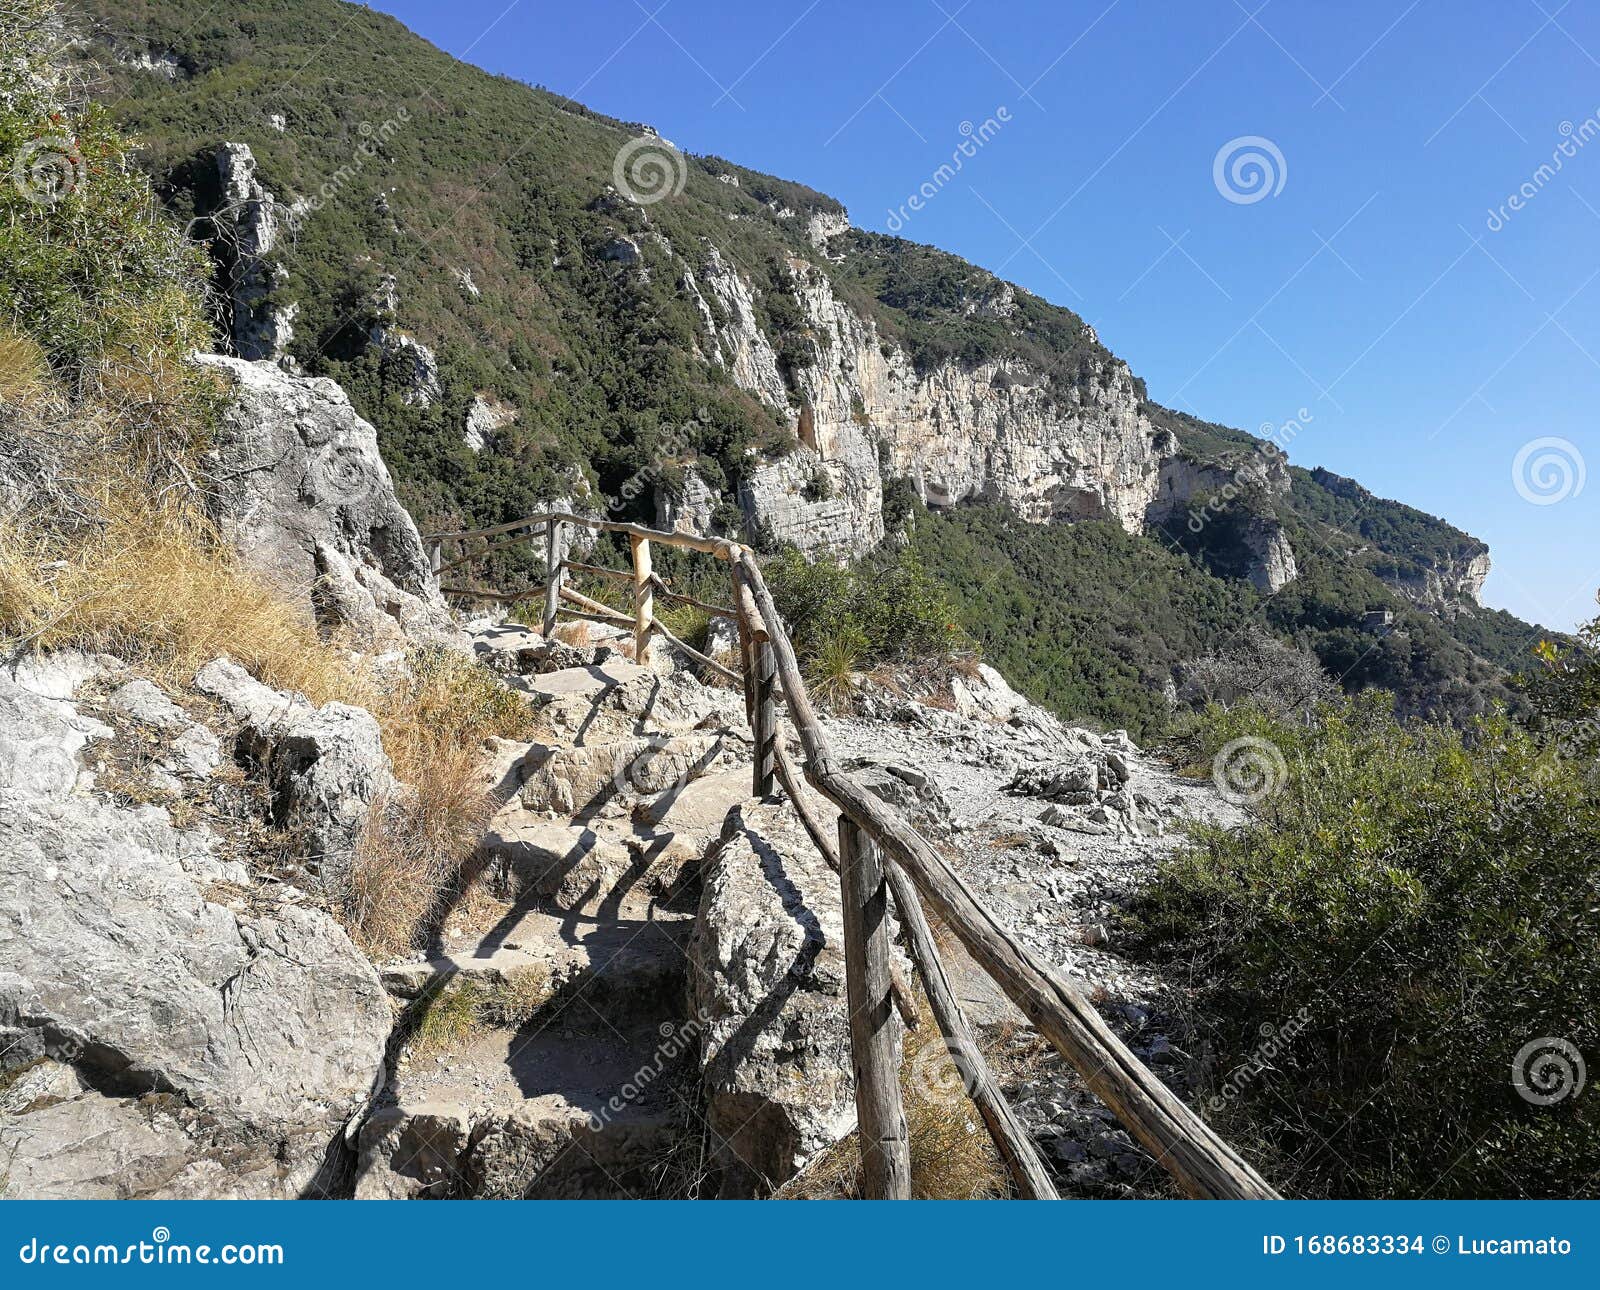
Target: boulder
(187, 1048)
(325, 767)
(299, 488)
(767, 985)
(412, 1153)
(906, 788)
(41, 741)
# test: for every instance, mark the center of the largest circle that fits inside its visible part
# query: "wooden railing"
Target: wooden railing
(879, 855)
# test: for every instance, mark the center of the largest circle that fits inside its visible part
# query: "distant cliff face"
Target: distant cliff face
(864, 414)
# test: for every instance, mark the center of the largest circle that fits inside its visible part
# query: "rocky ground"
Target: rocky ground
(640, 992)
(1053, 827)
(641, 995)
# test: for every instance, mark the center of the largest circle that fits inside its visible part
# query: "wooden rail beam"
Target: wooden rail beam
(1028, 1173)
(1180, 1140)
(874, 1034)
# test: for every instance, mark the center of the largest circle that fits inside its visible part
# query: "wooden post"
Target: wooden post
(1181, 1142)
(644, 599)
(1028, 1174)
(435, 558)
(874, 1032)
(552, 574)
(764, 717)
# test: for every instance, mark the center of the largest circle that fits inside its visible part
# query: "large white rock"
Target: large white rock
(301, 490)
(767, 983)
(211, 1052)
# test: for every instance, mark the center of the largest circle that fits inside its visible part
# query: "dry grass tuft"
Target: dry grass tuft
(24, 369)
(575, 634)
(152, 582)
(452, 1013)
(952, 1155)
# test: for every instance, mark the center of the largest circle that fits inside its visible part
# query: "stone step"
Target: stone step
(583, 864)
(579, 1106)
(635, 968)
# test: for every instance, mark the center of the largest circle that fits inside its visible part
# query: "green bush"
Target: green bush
(887, 610)
(1408, 911)
(88, 272)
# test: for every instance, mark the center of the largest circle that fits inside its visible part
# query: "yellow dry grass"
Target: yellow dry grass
(24, 370)
(952, 1155)
(152, 583)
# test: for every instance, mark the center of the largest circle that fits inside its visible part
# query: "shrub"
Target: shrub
(887, 610)
(1258, 669)
(1412, 908)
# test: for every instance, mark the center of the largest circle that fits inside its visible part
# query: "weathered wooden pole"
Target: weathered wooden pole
(644, 599)
(1028, 1174)
(552, 574)
(1181, 1142)
(874, 1030)
(435, 558)
(764, 717)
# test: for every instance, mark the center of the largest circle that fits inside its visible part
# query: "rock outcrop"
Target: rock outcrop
(300, 489)
(324, 769)
(159, 1035)
(768, 989)
(864, 414)
(246, 225)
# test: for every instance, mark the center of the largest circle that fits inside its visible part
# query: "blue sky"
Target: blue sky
(1381, 282)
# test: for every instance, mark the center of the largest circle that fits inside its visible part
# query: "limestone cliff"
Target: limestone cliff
(863, 414)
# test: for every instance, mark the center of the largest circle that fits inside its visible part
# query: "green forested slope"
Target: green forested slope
(480, 174)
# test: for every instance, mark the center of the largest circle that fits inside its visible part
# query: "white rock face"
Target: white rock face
(993, 432)
(165, 1042)
(303, 493)
(768, 983)
(247, 224)
(486, 418)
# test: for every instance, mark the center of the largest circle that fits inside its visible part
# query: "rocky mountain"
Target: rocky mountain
(534, 301)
